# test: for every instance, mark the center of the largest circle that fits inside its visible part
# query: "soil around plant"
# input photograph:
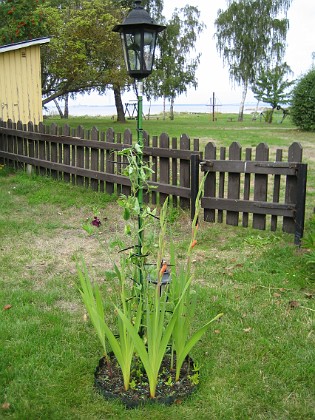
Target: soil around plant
(108, 380)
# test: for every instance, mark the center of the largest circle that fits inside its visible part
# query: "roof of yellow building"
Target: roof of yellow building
(24, 44)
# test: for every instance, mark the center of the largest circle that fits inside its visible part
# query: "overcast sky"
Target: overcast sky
(212, 76)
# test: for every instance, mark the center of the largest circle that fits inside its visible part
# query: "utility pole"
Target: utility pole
(212, 104)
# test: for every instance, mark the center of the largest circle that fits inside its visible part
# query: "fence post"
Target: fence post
(194, 183)
(294, 155)
(300, 202)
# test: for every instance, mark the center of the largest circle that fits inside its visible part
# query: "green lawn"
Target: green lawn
(256, 363)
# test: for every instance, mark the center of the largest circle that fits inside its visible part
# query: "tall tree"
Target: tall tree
(83, 55)
(271, 87)
(83, 52)
(250, 34)
(175, 64)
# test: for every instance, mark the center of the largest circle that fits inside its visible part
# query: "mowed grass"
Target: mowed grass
(257, 362)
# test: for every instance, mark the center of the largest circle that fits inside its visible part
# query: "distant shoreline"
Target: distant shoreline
(154, 109)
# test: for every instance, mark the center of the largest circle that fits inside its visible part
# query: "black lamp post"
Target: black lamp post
(138, 35)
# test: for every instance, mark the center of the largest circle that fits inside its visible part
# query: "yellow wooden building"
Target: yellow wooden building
(20, 81)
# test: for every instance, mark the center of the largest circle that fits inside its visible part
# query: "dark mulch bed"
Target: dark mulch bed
(109, 382)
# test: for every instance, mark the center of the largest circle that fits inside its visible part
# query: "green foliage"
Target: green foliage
(271, 86)
(123, 347)
(303, 102)
(185, 300)
(21, 20)
(93, 303)
(83, 52)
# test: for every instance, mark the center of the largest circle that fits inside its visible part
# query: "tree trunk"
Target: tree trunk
(172, 109)
(119, 105)
(164, 111)
(271, 115)
(149, 112)
(242, 104)
(66, 112)
(58, 108)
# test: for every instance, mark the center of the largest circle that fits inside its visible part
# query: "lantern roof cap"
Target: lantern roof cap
(138, 16)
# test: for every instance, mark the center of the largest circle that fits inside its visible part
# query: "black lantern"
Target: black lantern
(138, 34)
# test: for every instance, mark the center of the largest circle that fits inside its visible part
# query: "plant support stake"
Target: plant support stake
(139, 164)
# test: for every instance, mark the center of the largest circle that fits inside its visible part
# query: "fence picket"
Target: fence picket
(294, 155)
(94, 158)
(235, 152)
(184, 170)
(247, 178)
(174, 172)
(261, 186)
(210, 183)
(146, 160)
(164, 165)
(110, 158)
(87, 157)
(276, 190)
(126, 190)
(66, 153)
(20, 144)
(80, 156)
(102, 161)
(54, 150)
(155, 169)
(221, 183)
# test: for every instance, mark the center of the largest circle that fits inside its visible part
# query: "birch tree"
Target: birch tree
(176, 63)
(251, 34)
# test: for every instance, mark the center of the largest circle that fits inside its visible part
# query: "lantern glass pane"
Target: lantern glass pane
(122, 36)
(148, 49)
(139, 46)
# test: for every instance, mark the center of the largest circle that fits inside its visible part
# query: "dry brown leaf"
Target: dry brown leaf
(247, 330)
(6, 307)
(5, 406)
(178, 402)
(276, 295)
(217, 331)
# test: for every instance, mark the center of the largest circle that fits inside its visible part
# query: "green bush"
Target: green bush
(303, 102)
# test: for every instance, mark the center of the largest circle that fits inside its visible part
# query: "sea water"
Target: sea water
(154, 109)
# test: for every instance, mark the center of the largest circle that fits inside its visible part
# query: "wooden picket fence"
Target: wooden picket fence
(237, 188)
(254, 189)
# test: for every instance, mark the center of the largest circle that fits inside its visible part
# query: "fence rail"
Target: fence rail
(239, 187)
